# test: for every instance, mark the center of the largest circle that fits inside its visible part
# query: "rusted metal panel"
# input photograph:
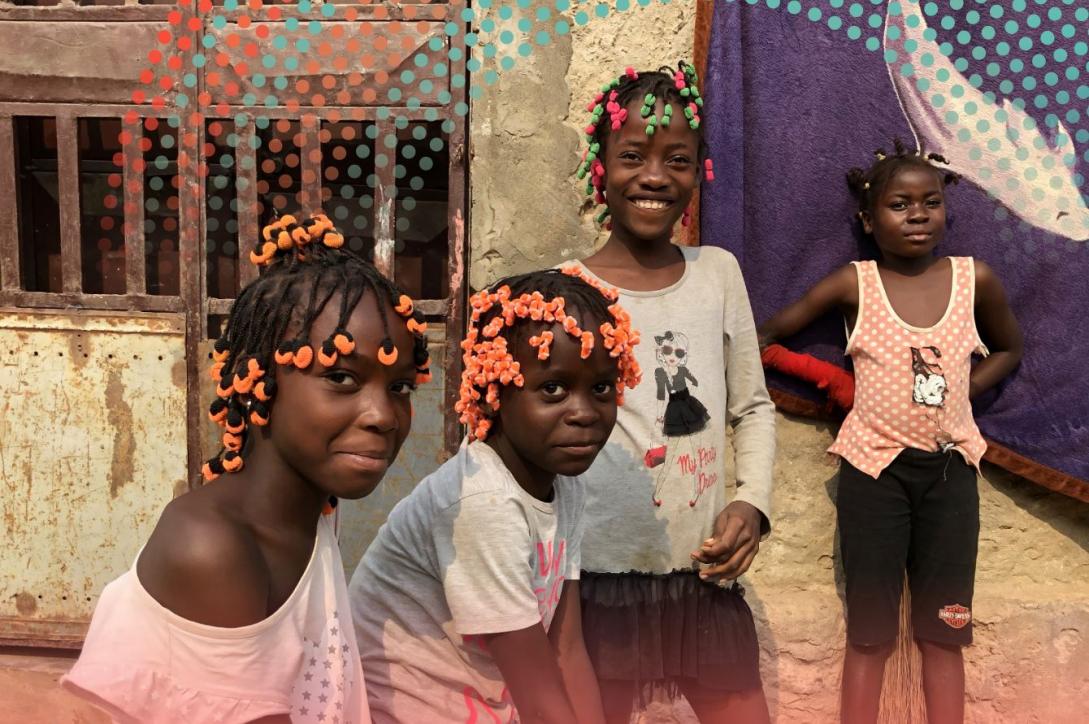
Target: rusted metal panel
(351, 63)
(94, 444)
(68, 181)
(9, 207)
(246, 188)
(420, 455)
(74, 62)
(48, 300)
(133, 180)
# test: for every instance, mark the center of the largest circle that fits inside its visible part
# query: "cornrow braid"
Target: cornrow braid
(548, 297)
(608, 113)
(868, 184)
(303, 266)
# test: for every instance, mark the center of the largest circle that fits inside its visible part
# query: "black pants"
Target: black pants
(921, 514)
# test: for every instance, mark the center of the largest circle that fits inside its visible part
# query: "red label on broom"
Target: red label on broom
(955, 615)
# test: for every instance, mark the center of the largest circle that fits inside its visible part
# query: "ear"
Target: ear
(867, 221)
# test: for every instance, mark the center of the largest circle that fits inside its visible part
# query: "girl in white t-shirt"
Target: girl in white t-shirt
(236, 609)
(467, 603)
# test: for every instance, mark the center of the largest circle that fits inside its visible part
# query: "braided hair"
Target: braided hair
(546, 297)
(303, 267)
(867, 185)
(608, 113)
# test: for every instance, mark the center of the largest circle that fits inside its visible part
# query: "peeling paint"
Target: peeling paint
(124, 441)
(177, 373)
(26, 604)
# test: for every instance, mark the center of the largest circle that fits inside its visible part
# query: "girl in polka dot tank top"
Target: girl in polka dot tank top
(909, 448)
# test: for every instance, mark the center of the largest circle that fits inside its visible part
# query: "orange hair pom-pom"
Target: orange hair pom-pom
(416, 327)
(216, 371)
(387, 352)
(304, 355)
(259, 414)
(333, 240)
(232, 462)
(285, 354)
(208, 472)
(283, 241)
(404, 306)
(243, 385)
(231, 441)
(224, 389)
(327, 353)
(343, 342)
(264, 390)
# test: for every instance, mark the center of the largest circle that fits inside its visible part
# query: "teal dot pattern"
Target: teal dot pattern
(1022, 59)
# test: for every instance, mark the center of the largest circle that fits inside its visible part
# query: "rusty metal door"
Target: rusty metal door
(128, 213)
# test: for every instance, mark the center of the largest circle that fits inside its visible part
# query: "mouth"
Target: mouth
(919, 236)
(644, 204)
(365, 461)
(581, 449)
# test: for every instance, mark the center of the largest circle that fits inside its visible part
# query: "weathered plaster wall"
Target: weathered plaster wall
(526, 129)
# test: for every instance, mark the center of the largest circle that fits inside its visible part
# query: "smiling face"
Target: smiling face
(341, 427)
(558, 421)
(649, 180)
(908, 217)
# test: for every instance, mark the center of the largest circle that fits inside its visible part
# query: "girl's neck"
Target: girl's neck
(277, 497)
(529, 477)
(622, 249)
(907, 266)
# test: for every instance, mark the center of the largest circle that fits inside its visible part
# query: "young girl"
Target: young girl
(909, 447)
(654, 617)
(236, 609)
(467, 603)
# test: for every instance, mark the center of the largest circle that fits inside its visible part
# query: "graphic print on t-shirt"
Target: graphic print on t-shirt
(681, 417)
(930, 382)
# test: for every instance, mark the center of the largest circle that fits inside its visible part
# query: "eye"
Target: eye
(403, 388)
(629, 156)
(680, 160)
(897, 206)
(603, 389)
(934, 203)
(553, 390)
(341, 378)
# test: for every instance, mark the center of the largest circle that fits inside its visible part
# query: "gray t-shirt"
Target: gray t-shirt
(468, 552)
(655, 489)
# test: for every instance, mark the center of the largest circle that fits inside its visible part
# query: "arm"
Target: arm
(531, 671)
(838, 289)
(578, 673)
(999, 330)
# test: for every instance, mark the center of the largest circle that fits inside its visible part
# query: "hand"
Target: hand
(736, 540)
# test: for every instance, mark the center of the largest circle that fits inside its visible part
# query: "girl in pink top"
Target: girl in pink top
(909, 447)
(236, 609)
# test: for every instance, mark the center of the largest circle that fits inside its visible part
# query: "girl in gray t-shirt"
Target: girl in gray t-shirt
(467, 604)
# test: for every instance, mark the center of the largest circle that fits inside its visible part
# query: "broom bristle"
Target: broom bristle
(902, 700)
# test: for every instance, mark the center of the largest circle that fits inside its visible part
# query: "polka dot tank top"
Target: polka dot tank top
(911, 383)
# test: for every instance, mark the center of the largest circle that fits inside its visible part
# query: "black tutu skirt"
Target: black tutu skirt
(659, 631)
(684, 414)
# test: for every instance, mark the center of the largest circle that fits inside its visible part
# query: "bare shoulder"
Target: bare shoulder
(988, 284)
(204, 564)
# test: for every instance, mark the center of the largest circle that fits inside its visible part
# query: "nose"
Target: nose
(377, 410)
(582, 411)
(918, 213)
(654, 174)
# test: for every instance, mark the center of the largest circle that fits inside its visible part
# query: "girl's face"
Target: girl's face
(672, 353)
(558, 421)
(908, 218)
(341, 427)
(649, 180)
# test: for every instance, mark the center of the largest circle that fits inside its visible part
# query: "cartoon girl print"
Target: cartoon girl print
(930, 384)
(929, 390)
(679, 413)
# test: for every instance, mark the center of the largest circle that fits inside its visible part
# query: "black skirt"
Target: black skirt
(684, 414)
(659, 631)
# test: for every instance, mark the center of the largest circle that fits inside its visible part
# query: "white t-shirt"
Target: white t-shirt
(468, 552)
(656, 488)
(143, 663)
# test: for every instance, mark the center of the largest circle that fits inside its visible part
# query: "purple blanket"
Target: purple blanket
(792, 103)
